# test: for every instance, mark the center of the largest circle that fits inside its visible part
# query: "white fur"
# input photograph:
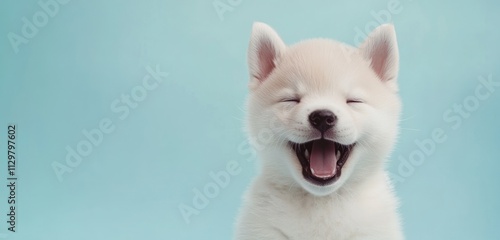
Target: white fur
(280, 203)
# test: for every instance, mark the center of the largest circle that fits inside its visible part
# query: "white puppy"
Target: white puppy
(323, 117)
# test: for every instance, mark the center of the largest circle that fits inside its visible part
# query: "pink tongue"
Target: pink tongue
(323, 161)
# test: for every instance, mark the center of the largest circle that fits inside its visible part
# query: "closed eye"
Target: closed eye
(291, 100)
(354, 101)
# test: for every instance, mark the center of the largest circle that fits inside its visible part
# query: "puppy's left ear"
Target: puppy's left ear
(265, 48)
(381, 48)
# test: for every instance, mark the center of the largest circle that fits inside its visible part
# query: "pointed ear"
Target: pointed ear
(265, 48)
(381, 48)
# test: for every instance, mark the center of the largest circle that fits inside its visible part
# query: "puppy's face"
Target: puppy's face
(321, 113)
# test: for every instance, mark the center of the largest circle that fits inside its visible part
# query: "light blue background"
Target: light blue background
(130, 186)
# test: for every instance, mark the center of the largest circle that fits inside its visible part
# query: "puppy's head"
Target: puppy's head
(322, 114)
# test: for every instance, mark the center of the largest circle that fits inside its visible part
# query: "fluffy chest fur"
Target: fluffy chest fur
(279, 213)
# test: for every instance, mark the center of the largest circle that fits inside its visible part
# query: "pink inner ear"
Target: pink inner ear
(266, 55)
(379, 59)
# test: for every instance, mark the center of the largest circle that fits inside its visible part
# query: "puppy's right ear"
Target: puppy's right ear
(266, 47)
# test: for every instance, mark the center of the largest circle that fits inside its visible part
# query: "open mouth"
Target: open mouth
(322, 160)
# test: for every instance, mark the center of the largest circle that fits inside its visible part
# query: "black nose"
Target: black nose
(322, 120)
